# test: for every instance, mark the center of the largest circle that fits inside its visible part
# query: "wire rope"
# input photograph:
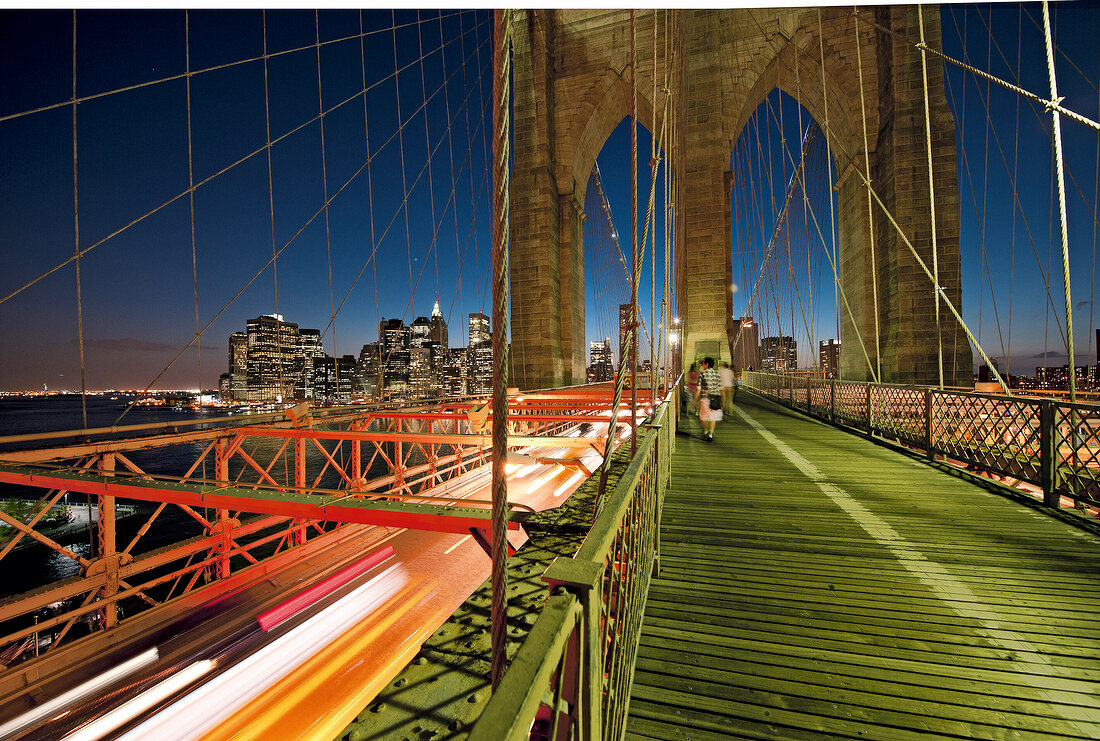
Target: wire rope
(829, 163)
(1063, 218)
(76, 253)
(324, 186)
(191, 191)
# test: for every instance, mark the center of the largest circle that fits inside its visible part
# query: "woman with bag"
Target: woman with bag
(708, 397)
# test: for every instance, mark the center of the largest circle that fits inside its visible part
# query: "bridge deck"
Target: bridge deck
(830, 587)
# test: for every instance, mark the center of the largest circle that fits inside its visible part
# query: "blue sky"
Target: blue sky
(138, 288)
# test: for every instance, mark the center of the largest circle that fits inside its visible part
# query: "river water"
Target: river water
(36, 565)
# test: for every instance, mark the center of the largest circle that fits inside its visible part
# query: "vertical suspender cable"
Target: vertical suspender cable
(370, 199)
(191, 195)
(870, 209)
(502, 105)
(633, 329)
(76, 249)
(805, 200)
(931, 193)
(829, 165)
(271, 207)
(324, 185)
(1061, 202)
(652, 240)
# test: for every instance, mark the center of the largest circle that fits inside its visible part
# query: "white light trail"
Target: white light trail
(131, 709)
(80, 692)
(201, 710)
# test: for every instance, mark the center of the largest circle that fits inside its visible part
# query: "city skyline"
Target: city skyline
(407, 230)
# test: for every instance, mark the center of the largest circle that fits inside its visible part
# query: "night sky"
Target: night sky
(138, 288)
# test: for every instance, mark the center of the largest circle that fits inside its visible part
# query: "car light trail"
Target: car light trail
(302, 703)
(76, 694)
(131, 709)
(208, 705)
(299, 602)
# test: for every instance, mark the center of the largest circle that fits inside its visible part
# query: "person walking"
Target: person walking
(709, 398)
(693, 386)
(726, 374)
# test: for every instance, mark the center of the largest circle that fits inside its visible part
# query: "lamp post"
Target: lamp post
(674, 336)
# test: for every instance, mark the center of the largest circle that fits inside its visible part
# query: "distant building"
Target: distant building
(420, 332)
(453, 376)
(420, 371)
(333, 379)
(778, 354)
(395, 373)
(746, 353)
(393, 335)
(624, 333)
(601, 366)
(439, 327)
(309, 349)
(1056, 378)
(273, 357)
(479, 368)
(238, 368)
(479, 328)
(829, 358)
(370, 369)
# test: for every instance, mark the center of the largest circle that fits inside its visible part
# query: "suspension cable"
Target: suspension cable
(931, 191)
(1053, 105)
(870, 210)
(76, 254)
(190, 188)
(1061, 202)
(502, 106)
(829, 162)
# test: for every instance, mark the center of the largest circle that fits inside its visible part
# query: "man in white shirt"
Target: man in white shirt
(726, 374)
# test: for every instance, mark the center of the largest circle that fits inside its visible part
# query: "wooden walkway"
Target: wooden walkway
(816, 585)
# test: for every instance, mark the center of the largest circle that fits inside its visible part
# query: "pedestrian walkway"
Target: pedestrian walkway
(814, 584)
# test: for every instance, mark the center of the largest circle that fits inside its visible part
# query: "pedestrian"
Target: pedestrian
(726, 374)
(709, 398)
(693, 387)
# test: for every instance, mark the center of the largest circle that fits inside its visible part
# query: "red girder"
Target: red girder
(411, 514)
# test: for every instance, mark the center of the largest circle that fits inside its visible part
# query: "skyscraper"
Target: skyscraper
(479, 328)
(370, 368)
(420, 332)
(479, 368)
(420, 370)
(747, 352)
(454, 374)
(601, 366)
(309, 350)
(238, 366)
(273, 355)
(439, 327)
(393, 335)
(779, 354)
(829, 358)
(624, 333)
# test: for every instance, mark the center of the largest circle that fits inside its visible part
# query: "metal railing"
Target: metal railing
(1049, 443)
(571, 677)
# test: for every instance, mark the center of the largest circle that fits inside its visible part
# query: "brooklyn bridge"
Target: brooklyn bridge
(523, 531)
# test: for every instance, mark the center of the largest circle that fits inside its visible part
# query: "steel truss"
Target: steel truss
(275, 484)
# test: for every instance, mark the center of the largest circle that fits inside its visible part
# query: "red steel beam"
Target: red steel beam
(344, 508)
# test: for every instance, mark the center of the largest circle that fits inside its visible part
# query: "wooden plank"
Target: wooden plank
(780, 614)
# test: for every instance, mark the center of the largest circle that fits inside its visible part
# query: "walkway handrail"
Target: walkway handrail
(1051, 444)
(576, 665)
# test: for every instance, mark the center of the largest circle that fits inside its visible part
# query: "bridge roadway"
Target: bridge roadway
(815, 584)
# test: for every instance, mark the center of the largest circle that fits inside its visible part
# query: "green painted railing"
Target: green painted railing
(571, 677)
(1051, 444)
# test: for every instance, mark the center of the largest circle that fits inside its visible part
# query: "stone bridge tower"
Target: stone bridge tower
(572, 87)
